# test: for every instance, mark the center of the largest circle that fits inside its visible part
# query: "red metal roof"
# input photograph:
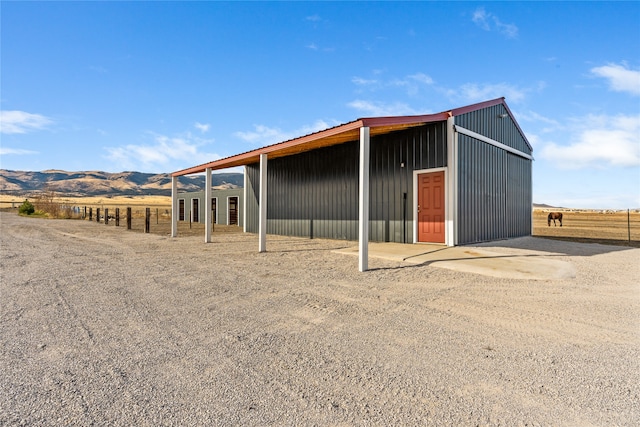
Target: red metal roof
(336, 135)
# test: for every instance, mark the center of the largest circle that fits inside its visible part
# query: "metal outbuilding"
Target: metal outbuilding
(457, 177)
(226, 206)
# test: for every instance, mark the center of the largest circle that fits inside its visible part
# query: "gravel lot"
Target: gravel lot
(103, 326)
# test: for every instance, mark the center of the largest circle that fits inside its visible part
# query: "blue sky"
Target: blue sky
(161, 86)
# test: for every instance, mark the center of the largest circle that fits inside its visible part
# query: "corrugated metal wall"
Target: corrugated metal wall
(315, 194)
(222, 206)
(494, 186)
(488, 122)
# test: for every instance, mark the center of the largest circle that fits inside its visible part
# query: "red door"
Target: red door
(431, 207)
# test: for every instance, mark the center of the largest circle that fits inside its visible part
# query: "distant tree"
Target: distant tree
(26, 208)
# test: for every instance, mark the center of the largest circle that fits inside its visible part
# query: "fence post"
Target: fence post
(117, 217)
(106, 216)
(147, 219)
(629, 222)
(90, 214)
(85, 213)
(97, 215)
(157, 216)
(128, 218)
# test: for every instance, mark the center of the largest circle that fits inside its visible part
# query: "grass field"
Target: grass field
(581, 225)
(98, 202)
(591, 226)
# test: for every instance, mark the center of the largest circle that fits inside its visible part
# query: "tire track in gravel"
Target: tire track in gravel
(523, 315)
(72, 313)
(191, 334)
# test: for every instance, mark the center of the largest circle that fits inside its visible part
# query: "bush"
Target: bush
(26, 208)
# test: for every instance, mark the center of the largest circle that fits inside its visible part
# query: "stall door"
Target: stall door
(181, 209)
(233, 211)
(431, 223)
(195, 210)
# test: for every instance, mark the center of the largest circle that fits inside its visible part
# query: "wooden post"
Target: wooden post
(85, 213)
(117, 217)
(106, 216)
(147, 219)
(629, 223)
(157, 216)
(90, 214)
(128, 218)
(97, 215)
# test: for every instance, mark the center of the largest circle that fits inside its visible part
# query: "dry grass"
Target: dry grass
(581, 226)
(101, 202)
(591, 227)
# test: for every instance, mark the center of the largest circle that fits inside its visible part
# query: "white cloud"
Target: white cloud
(364, 82)
(550, 125)
(13, 121)
(202, 127)
(412, 84)
(314, 18)
(489, 22)
(421, 78)
(474, 92)
(161, 152)
(481, 18)
(376, 109)
(599, 142)
(313, 46)
(4, 151)
(620, 77)
(263, 135)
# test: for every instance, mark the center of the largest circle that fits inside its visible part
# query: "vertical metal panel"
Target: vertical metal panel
(222, 206)
(251, 201)
(494, 186)
(495, 123)
(494, 193)
(315, 194)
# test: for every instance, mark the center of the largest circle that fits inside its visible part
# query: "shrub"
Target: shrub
(26, 208)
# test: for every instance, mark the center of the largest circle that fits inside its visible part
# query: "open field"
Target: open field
(591, 227)
(101, 326)
(7, 201)
(579, 225)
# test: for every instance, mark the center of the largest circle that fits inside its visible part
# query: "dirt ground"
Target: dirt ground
(103, 326)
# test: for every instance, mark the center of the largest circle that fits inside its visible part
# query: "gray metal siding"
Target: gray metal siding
(188, 203)
(315, 194)
(488, 122)
(519, 196)
(494, 193)
(222, 204)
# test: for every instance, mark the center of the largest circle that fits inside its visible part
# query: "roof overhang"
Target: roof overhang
(333, 136)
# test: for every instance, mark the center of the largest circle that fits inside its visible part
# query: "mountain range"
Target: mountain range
(97, 183)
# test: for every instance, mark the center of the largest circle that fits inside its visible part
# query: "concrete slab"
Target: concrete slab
(470, 259)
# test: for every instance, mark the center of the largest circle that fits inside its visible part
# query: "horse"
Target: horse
(553, 216)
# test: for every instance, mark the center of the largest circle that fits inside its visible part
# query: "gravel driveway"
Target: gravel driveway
(103, 326)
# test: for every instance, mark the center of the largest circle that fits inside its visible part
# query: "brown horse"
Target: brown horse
(553, 216)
